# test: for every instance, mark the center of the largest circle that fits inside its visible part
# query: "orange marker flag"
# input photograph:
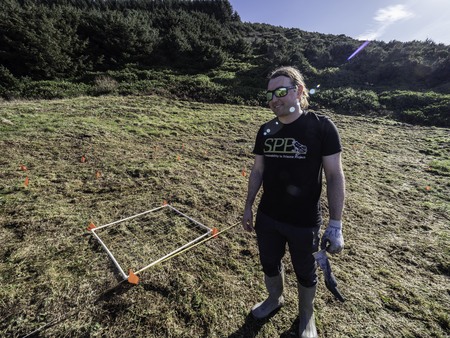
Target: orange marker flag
(214, 232)
(132, 278)
(26, 182)
(23, 168)
(244, 173)
(91, 226)
(83, 159)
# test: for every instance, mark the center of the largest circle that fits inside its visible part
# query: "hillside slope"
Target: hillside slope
(101, 159)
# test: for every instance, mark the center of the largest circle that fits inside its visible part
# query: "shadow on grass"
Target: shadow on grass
(120, 288)
(292, 331)
(161, 290)
(252, 326)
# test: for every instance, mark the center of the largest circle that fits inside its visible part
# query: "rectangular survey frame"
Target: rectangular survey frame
(143, 240)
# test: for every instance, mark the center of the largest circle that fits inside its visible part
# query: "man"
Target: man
(290, 153)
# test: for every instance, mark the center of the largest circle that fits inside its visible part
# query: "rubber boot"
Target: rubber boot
(275, 300)
(307, 323)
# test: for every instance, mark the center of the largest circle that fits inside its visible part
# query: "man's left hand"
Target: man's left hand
(332, 238)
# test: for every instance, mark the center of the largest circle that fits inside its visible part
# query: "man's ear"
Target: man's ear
(299, 91)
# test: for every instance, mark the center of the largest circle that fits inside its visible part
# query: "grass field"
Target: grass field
(102, 159)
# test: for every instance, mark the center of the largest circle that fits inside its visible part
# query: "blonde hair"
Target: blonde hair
(297, 79)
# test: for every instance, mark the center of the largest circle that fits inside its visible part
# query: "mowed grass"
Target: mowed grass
(102, 159)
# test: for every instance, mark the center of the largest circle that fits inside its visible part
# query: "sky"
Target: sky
(383, 20)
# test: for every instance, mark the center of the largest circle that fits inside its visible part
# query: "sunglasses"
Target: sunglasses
(279, 92)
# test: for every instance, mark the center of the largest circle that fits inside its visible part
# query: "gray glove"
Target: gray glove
(330, 281)
(332, 238)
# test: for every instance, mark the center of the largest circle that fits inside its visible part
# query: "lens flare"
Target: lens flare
(312, 91)
(360, 48)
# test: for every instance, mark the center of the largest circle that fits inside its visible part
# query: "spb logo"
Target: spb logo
(284, 147)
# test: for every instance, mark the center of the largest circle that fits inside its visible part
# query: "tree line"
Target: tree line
(201, 49)
(47, 39)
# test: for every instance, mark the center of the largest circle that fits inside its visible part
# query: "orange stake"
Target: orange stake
(26, 182)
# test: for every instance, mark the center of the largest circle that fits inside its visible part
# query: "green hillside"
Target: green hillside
(202, 51)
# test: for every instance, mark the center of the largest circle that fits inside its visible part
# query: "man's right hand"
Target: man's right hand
(247, 220)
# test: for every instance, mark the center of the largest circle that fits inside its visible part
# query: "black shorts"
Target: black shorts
(302, 242)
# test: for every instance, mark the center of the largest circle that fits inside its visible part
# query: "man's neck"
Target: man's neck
(291, 117)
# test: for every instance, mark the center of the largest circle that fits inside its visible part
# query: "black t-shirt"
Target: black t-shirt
(292, 179)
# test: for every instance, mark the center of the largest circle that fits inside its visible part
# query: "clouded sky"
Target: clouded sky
(385, 20)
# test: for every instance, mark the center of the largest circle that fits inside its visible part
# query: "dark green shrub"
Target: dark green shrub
(348, 100)
(10, 86)
(123, 75)
(412, 116)
(142, 87)
(53, 90)
(401, 100)
(200, 88)
(428, 108)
